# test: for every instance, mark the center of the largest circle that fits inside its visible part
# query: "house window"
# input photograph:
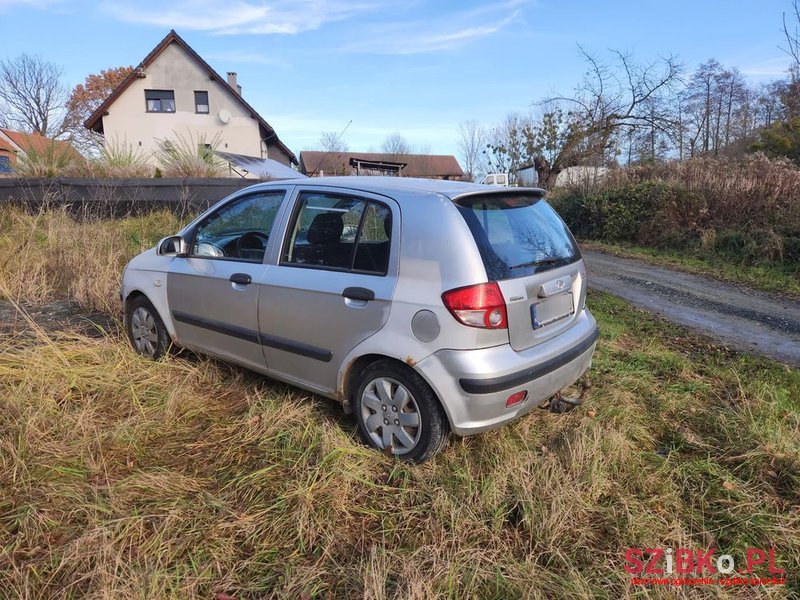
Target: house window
(5, 165)
(201, 102)
(160, 100)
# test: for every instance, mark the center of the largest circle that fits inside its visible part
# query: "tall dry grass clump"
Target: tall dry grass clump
(119, 159)
(50, 255)
(51, 158)
(190, 155)
(753, 189)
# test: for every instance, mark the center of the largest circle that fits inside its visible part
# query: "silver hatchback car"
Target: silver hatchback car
(422, 306)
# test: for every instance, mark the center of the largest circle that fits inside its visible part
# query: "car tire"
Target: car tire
(395, 407)
(145, 329)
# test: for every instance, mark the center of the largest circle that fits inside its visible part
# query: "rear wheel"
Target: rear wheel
(145, 329)
(398, 412)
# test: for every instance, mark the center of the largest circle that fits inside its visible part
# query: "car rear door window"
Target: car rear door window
(337, 232)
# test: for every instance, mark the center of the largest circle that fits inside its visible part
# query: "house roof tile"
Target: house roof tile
(416, 165)
(31, 141)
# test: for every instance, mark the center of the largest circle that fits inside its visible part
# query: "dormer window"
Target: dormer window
(160, 101)
(201, 102)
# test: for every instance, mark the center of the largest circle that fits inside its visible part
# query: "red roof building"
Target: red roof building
(429, 166)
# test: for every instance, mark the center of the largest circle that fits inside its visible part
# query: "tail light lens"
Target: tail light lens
(480, 305)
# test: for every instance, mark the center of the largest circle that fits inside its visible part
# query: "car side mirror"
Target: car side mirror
(173, 245)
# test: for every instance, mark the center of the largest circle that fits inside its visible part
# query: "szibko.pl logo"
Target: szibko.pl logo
(651, 564)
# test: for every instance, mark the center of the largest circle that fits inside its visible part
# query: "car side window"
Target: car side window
(339, 232)
(239, 230)
(372, 252)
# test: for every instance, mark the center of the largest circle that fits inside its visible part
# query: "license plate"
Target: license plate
(551, 310)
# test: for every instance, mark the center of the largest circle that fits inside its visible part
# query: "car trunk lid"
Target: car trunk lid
(528, 250)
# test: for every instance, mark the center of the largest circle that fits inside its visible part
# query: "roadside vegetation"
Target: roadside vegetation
(50, 256)
(126, 478)
(733, 218)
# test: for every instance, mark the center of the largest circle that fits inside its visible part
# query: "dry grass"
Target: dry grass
(52, 159)
(733, 193)
(50, 255)
(739, 212)
(126, 478)
(187, 155)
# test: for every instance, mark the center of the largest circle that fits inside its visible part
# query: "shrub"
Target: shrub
(649, 212)
(746, 208)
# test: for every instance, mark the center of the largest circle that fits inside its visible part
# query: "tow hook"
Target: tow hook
(561, 404)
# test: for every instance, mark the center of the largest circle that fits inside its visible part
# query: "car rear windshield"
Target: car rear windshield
(517, 235)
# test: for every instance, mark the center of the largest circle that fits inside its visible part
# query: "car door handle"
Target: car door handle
(358, 293)
(241, 278)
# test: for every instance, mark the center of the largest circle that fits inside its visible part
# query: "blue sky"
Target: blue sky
(414, 66)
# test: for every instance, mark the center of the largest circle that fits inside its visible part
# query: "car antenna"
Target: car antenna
(324, 156)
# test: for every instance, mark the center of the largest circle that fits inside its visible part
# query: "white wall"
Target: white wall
(128, 120)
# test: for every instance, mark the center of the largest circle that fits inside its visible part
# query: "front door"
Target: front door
(213, 293)
(331, 286)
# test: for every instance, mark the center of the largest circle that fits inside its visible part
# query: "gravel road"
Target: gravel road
(738, 317)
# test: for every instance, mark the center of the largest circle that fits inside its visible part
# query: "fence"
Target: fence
(107, 198)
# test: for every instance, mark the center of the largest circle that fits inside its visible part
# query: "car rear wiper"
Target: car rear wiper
(537, 263)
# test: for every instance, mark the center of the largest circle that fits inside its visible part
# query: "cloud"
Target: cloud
(254, 58)
(244, 16)
(774, 67)
(448, 32)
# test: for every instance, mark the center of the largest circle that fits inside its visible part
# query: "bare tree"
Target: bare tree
(471, 144)
(791, 31)
(396, 145)
(613, 101)
(32, 97)
(332, 142)
(719, 112)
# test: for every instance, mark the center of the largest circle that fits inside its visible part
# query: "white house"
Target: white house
(174, 92)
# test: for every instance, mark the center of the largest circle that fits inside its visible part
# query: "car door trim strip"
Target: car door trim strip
(249, 335)
(241, 333)
(307, 350)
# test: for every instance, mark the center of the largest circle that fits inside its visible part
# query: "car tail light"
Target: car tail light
(480, 305)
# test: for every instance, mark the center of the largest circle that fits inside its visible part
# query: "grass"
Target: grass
(187, 155)
(50, 255)
(773, 277)
(126, 478)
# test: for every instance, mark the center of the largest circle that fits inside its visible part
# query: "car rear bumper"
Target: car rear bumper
(474, 385)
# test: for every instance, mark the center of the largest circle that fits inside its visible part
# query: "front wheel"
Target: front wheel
(145, 329)
(398, 412)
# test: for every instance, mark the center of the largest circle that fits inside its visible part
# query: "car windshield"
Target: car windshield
(517, 234)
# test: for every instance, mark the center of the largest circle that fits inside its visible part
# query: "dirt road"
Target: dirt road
(736, 316)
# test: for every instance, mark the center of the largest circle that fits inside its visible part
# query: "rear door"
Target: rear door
(528, 250)
(331, 286)
(213, 293)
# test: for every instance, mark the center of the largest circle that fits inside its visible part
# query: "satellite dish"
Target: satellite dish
(224, 115)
